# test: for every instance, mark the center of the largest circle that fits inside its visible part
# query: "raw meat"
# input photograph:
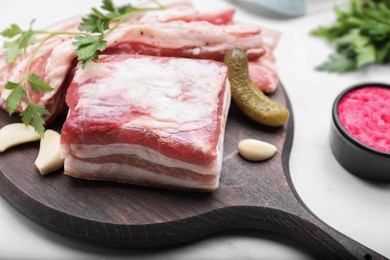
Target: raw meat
(185, 39)
(263, 72)
(178, 31)
(147, 120)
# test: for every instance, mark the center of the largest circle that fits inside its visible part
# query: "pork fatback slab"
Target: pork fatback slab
(146, 120)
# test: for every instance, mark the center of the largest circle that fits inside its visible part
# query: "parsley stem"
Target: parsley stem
(29, 63)
(59, 33)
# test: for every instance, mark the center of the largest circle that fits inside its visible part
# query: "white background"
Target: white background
(357, 208)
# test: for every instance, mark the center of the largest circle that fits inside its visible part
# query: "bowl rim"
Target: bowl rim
(341, 128)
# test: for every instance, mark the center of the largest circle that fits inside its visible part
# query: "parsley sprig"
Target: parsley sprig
(89, 40)
(33, 113)
(96, 26)
(361, 36)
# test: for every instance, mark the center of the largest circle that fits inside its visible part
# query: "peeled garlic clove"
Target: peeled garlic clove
(49, 157)
(255, 150)
(14, 134)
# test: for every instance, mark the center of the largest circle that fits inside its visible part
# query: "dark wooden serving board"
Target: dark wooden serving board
(251, 195)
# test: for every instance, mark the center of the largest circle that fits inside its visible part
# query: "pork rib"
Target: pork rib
(147, 120)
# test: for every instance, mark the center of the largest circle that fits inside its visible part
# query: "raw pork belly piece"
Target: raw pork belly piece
(146, 120)
(196, 39)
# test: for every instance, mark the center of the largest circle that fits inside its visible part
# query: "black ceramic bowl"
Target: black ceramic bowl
(356, 157)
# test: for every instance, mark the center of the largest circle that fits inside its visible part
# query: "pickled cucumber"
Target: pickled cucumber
(249, 99)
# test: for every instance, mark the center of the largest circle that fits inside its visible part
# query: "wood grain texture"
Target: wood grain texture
(251, 196)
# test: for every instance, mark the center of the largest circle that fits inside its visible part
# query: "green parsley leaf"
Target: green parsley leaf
(33, 115)
(365, 55)
(99, 14)
(89, 47)
(338, 63)
(17, 95)
(108, 5)
(26, 39)
(37, 85)
(88, 24)
(96, 22)
(127, 9)
(15, 47)
(12, 51)
(12, 31)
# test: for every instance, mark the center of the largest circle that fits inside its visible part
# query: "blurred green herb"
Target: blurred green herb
(361, 35)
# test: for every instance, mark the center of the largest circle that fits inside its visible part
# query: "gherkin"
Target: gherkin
(249, 99)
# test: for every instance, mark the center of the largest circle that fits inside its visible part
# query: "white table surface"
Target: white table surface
(359, 209)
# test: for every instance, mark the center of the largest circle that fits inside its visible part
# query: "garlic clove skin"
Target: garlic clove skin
(49, 156)
(256, 150)
(15, 134)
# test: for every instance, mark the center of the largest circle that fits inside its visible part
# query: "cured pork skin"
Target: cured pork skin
(147, 120)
